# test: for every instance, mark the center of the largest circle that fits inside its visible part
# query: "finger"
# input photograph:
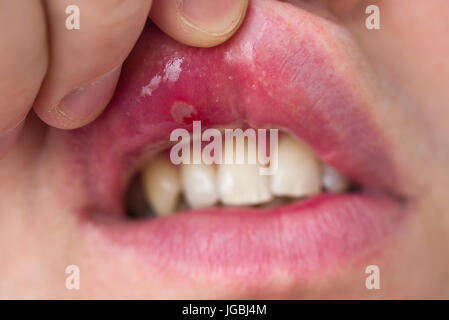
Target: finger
(201, 23)
(85, 63)
(23, 63)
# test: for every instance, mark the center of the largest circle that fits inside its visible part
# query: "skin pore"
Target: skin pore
(406, 66)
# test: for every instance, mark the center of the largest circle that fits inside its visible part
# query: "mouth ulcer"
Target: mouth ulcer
(283, 69)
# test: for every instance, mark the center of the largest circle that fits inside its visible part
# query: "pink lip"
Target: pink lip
(299, 241)
(285, 69)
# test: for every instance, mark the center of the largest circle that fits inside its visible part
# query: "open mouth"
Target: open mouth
(331, 202)
(161, 188)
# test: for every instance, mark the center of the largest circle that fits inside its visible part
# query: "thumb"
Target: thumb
(200, 23)
(85, 63)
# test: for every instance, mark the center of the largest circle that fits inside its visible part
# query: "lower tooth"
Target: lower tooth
(198, 181)
(334, 181)
(161, 185)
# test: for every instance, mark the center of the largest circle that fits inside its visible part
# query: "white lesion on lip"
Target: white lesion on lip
(172, 71)
(150, 87)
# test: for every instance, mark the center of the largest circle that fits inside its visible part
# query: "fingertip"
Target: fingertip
(200, 23)
(68, 98)
(83, 104)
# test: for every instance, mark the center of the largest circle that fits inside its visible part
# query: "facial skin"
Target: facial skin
(406, 64)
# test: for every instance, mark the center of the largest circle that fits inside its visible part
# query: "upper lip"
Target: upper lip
(284, 68)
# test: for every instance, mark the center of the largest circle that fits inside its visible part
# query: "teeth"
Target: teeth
(298, 171)
(161, 185)
(242, 184)
(198, 182)
(334, 181)
(299, 174)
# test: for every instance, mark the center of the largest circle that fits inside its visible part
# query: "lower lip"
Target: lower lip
(294, 242)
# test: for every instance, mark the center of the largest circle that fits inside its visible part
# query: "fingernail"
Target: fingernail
(213, 16)
(86, 101)
(9, 137)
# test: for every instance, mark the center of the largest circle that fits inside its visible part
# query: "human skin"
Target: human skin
(72, 73)
(404, 64)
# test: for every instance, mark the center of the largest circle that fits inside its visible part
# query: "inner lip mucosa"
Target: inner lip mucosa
(233, 168)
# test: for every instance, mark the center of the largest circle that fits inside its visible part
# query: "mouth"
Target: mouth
(284, 69)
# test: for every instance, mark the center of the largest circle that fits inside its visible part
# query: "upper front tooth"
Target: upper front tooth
(242, 184)
(199, 185)
(161, 185)
(334, 181)
(298, 171)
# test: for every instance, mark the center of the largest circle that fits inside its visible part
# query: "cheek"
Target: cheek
(411, 32)
(415, 107)
(343, 8)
